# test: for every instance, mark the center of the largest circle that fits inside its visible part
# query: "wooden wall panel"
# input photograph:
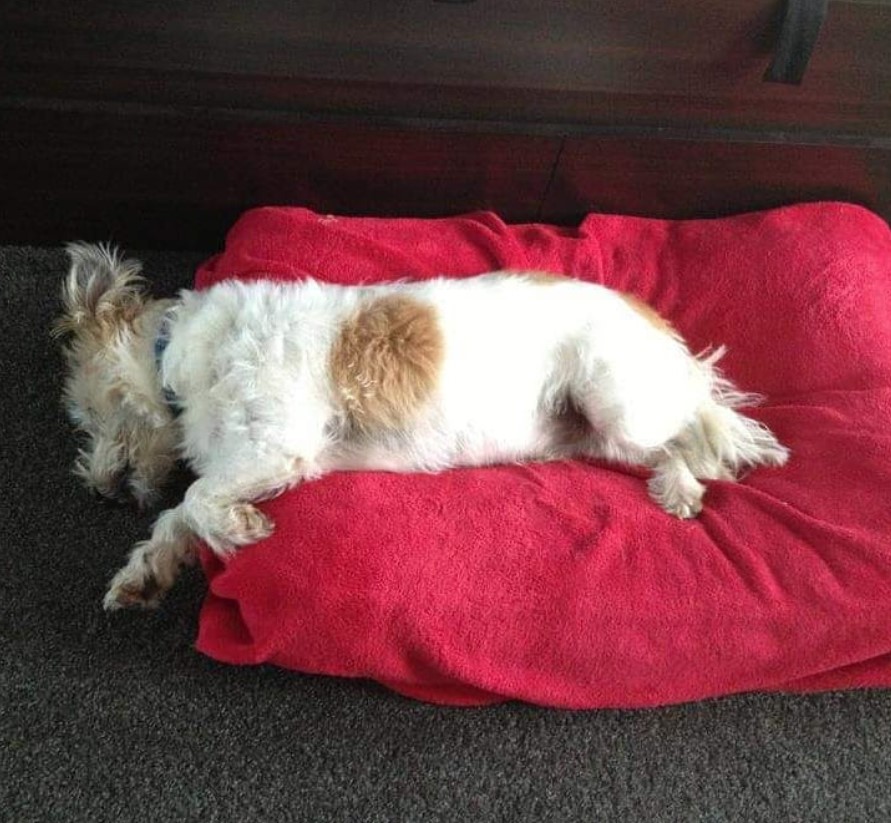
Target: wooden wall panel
(157, 123)
(180, 180)
(690, 63)
(700, 178)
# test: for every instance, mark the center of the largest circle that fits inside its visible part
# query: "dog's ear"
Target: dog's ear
(102, 288)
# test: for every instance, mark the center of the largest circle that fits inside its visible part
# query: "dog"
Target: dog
(263, 385)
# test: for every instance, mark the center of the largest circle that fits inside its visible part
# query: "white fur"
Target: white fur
(249, 364)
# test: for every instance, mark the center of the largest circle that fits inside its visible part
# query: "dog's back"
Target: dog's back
(425, 375)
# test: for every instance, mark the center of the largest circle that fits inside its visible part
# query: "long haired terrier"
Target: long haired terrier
(261, 385)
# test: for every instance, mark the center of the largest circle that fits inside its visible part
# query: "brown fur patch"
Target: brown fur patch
(385, 361)
(653, 317)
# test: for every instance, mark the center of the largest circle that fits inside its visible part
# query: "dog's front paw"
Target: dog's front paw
(150, 572)
(249, 524)
(238, 525)
(132, 588)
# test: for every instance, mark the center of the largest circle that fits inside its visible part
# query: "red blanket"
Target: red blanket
(563, 584)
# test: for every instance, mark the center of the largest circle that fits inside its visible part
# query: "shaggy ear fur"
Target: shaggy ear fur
(102, 289)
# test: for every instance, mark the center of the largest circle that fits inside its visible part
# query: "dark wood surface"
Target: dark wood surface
(587, 62)
(173, 178)
(696, 178)
(158, 122)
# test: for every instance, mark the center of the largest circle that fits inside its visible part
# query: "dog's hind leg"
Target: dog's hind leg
(717, 445)
(654, 404)
(636, 413)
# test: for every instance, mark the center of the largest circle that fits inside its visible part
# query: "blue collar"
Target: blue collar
(162, 339)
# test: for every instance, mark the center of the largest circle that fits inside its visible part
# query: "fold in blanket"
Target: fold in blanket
(562, 584)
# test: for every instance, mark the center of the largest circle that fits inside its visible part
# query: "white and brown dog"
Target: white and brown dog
(261, 385)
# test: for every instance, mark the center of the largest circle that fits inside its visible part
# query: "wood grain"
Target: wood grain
(690, 63)
(703, 178)
(180, 180)
(158, 122)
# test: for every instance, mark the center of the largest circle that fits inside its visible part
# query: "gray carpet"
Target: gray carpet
(118, 718)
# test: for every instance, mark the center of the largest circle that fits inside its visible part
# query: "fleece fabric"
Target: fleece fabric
(563, 584)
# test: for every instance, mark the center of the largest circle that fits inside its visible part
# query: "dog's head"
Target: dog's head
(112, 391)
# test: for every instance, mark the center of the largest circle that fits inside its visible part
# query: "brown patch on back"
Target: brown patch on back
(385, 361)
(653, 317)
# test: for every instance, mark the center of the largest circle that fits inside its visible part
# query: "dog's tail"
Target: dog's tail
(723, 442)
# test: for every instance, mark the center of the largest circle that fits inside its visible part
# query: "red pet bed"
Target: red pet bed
(563, 584)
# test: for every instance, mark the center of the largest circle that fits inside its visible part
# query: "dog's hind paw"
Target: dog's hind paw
(676, 490)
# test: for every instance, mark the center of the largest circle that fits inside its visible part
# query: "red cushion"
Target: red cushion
(562, 584)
